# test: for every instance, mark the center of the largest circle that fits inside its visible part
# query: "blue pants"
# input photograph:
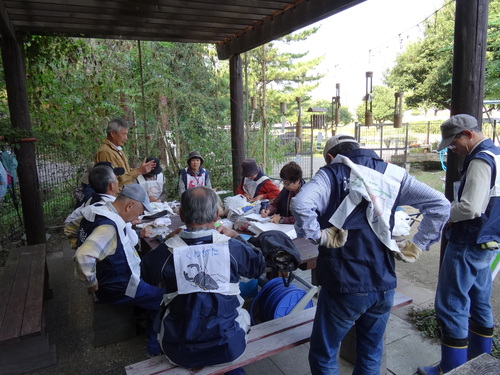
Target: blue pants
(149, 298)
(464, 289)
(335, 315)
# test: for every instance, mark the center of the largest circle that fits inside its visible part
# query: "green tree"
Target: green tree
(345, 116)
(275, 76)
(492, 79)
(423, 70)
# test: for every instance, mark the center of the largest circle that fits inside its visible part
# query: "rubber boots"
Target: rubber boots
(451, 357)
(480, 340)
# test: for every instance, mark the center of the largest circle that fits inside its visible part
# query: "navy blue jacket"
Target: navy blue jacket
(200, 329)
(364, 263)
(113, 272)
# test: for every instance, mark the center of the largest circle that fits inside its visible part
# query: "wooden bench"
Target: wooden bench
(24, 345)
(485, 364)
(264, 340)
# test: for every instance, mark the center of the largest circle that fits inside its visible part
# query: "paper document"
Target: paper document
(257, 217)
(288, 229)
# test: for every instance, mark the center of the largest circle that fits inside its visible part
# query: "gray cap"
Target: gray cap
(137, 193)
(455, 125)
(335, 141)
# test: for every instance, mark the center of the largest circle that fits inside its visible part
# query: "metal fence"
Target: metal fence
(58, 174)
(414, 142)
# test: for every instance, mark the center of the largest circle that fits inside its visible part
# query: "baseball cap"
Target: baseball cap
(118, 171)
(335, 141)
(137, 193)
(85, 177)
(453, 126)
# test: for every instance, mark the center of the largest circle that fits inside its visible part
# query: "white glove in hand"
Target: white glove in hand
(333, 237)
(409, 252)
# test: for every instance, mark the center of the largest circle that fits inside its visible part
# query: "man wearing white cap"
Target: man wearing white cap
(348, 209)
(463, 293)
(107, 262)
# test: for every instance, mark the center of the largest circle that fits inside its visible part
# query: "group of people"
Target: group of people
(190, 282)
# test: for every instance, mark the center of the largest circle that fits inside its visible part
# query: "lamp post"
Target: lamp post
(368, 99)
(337, 107)
(283, 111)
(398, 109)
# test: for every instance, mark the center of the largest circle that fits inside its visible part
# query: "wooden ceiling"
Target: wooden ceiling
(234, 26)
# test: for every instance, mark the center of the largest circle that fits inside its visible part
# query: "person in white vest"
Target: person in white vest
(202, 320)
(107, 262)
(193, 175)
(255, 185)
(153, 182)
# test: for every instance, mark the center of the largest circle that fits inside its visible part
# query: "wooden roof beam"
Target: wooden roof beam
(302, 14)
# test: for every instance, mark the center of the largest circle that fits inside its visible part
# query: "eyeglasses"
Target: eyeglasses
(287, 183)
(451, 145)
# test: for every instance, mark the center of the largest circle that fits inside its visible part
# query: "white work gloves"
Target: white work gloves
(409, 252)
(333, 237)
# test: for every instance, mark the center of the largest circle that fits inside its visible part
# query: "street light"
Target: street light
(368, 99)
(398, 109)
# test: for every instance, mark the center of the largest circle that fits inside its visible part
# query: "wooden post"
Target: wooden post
(15, 81)
(237, 128)
(467, 88)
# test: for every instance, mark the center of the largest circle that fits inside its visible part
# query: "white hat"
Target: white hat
(335, 141)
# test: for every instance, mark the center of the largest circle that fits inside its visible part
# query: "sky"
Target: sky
(366, 37)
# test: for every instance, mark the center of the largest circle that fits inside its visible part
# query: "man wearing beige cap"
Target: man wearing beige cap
(463, 293)
(107, 262)
(348, 209)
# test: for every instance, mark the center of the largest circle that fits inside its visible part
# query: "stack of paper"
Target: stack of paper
(257, 217)
(258, 228)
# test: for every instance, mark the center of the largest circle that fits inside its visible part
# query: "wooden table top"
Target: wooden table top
(308, 251)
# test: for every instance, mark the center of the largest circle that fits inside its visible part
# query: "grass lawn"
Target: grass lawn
(435, 179)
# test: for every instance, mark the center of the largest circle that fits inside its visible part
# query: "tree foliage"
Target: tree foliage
(275, 76)
(174, 95)
(423, 70)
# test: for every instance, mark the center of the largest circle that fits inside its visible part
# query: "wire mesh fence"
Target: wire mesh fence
(59, 171)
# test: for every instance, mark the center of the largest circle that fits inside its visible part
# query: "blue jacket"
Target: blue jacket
(200, 329)
(486, 227)
(364, 263)
(113, 272)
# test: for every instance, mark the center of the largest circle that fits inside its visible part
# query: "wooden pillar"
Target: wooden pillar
(15, 80)
(469, 65)
(237, 124)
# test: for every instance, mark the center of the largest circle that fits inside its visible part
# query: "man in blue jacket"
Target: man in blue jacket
(202, 319)
(463, 294)
(106, 260)
(348, 209)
